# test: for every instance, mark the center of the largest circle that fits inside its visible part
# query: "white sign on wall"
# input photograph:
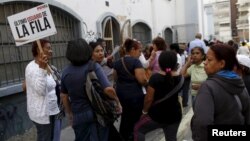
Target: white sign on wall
(32, 24)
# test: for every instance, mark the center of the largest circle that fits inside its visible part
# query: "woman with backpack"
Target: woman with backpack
(75, 99)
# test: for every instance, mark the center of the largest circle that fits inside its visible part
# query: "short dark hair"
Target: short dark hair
(93, 45)
(100, 40)
(35, 46)
(230, 42)
(175, 46)
(243, 43)
(78, 52)
(226, 53)
(160, 43)
(201, 50)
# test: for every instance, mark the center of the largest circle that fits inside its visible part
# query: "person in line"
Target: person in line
(108, 59)
(77, 105)
(233, 45)
(176, 48)
(102, 42)
(130, 77)
(194, 68)
(98, 56)
(159, 45)
(40, 86)
(222, 99)
(244, 70)
(167, 114)
(185, 90)
(197, 42)
(244, 50)
(146, 62)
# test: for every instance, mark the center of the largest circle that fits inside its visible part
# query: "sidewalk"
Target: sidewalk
(67, 133)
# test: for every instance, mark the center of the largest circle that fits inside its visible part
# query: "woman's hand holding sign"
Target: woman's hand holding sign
(43, 61)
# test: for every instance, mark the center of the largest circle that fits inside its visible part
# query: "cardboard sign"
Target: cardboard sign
(32, 24)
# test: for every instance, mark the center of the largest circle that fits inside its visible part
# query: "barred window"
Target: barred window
(13, 60)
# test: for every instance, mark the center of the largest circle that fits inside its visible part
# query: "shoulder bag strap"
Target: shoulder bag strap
(176, 89)
(238, 101)
(126, 69)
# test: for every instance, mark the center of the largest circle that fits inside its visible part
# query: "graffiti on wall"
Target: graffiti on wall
(89, 35)
(11, 122)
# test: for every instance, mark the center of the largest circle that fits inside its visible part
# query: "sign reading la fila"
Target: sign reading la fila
(32, 24)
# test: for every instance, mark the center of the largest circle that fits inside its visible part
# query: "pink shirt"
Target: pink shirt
(155, 64)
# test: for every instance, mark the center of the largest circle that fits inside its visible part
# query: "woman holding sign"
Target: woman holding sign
(42, 88)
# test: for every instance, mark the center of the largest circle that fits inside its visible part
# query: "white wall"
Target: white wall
(91, 10)
(158, 14)
(186, 11)
(164, 15)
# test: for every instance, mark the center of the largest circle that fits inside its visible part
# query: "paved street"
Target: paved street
(184, 132)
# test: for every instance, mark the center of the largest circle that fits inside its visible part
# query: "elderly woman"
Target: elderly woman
(222, 99)
(42, 101)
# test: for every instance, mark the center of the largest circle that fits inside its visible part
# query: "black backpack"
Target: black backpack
(104, 108)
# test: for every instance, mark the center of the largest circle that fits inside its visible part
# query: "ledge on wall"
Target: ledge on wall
(9, 90)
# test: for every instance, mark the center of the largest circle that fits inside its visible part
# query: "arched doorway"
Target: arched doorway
(168, 33)
(142, 32)
(110, 33)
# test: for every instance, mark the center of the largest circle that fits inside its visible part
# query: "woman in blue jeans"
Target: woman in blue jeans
(75, 100)
(167, 114)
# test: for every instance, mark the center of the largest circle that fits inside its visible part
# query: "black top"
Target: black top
(168, 111)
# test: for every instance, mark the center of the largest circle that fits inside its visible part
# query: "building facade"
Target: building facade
(243, 21)
(218, 19)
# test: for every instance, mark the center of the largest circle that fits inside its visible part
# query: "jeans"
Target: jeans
(86, 127)
(170, 130)
(57, 129)
(185, 91)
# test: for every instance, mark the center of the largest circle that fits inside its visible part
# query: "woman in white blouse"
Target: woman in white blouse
(41, 95)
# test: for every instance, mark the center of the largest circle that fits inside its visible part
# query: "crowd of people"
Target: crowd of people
(150, 86)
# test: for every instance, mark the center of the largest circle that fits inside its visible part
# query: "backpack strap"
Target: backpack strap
(91, 66)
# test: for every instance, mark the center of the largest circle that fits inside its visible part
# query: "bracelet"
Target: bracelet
(144, 113)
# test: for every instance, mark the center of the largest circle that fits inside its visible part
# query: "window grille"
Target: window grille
(13, 60)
